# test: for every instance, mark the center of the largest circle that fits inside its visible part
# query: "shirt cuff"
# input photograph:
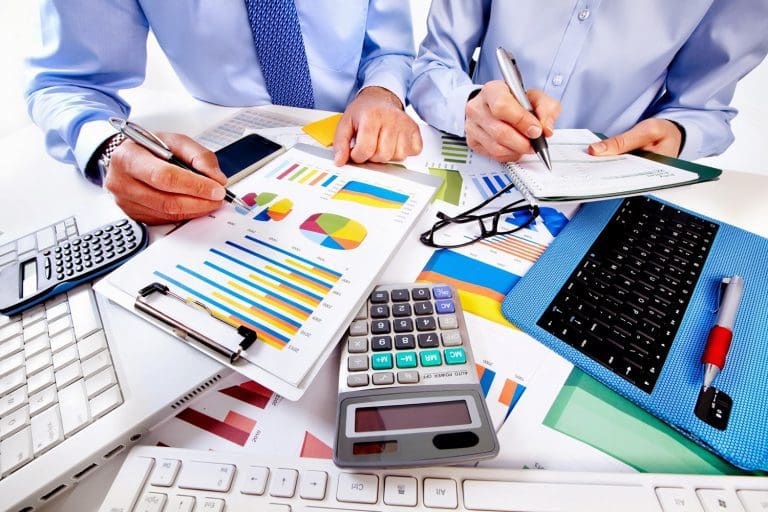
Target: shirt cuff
(457, 104)
(694, 136)
(92, 135)
(390, 82)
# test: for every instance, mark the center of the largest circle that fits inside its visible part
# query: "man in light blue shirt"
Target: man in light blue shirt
(654, 74)
(358, 56)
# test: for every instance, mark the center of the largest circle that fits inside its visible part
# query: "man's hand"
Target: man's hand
(498, 126)
(153, 191)
(381, 129)
(657, 135)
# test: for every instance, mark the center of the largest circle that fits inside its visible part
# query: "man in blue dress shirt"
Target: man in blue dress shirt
(352, 56)
(654, 74)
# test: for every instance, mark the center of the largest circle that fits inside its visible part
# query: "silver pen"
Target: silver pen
(160, 149)
(514, 81)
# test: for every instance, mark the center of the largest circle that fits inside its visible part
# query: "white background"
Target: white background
(18, 29)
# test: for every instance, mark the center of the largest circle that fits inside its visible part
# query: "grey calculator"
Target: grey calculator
(409, 394)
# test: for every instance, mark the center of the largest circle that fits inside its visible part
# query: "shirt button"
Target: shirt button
(557, 80)
(583, 14)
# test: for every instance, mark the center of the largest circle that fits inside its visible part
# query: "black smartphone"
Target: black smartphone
(245, 155)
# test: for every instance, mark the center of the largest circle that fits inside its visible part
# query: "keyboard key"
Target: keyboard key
(105, 402)
(38, 362)
(11, 346)
(47, 431)
(42, 400)
(357, 488)
(754, 501)
(12, 423)
(165, 472)
(59, 325)
(85, 314)
(92, 344)
(15, 451)
(101, 381)
(283, 483)
(212, 505)
(151, 502)
(255, 481)
(62, 340)
(40, 380)
(440, 493)
(65, 357)
(128, 484)
(74, 407)
(57, 311)
(95, 363)
(313, 485)
(718, 500)
(36, 346)
(32, 315)
(10, 330)
(674, 499)
(400, 490)
(11, 363)
(68, 375)
(181, 504)
(12, 381)
(206, 476)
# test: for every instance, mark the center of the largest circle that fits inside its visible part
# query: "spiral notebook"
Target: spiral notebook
(577, 176)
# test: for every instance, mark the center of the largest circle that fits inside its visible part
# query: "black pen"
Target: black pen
(514, 80)
(160, 149)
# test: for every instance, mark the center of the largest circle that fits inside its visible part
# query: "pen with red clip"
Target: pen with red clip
(719, 339)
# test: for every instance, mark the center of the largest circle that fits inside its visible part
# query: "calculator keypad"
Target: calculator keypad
(402, 333)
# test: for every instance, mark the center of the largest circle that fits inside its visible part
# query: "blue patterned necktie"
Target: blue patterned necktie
(280, 49)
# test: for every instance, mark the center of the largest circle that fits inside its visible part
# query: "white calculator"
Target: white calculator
(409, 394)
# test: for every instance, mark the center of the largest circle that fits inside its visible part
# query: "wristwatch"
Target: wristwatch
(106, 154)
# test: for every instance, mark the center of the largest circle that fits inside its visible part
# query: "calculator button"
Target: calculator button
(357, 363)
(442, 292)
(431, 358)
(428, 340)
(423, 308)
(379, 311)
(381, 361)
(444, 307)
(455, 356)
(448, 322)
(400, 295)
(362, 313)
(403, 325)
(87, 237)
(420, 294)
(405, 341)
(380, 297)
(379, 343)
(408, 377)
(356, 380)
(120, 250)
(451, 338)
(109, 228)
(356, 328)
(406, 359)
(399, 310)
(380, 327)
(426, 323)
(122, 223)
(383, 378)
(357, 345)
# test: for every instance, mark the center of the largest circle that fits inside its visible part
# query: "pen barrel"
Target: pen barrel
(539, 144)
(718, 343)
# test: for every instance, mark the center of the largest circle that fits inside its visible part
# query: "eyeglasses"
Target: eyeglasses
(469, 226)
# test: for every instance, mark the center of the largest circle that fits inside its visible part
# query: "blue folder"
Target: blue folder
(744, 441)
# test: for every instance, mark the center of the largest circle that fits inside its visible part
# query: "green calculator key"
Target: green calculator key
(431, 358)
(381, 361)
(406, 360)
(455, 356)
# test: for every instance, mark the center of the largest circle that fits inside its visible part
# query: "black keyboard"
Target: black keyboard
(624, 302)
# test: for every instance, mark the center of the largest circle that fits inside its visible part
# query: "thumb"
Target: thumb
(634, 138)
(342, 140)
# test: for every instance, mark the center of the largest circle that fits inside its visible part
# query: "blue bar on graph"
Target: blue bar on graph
(278, 169)
(489, 184)
(329, 180)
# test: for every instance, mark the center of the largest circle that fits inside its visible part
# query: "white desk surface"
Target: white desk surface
(36, 190)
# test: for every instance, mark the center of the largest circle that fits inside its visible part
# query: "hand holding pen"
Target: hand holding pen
(151, 189)
(499, 125)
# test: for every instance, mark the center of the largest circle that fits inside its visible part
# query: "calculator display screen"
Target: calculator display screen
(29, 278)
(412, 416)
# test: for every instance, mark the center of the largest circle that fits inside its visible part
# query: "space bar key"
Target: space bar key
(550, 497)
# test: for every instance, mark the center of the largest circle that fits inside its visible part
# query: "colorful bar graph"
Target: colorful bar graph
(249, 392)
(510, 392)
(370, 195)
(302, 174)
(235, 428)
(553, 220)
(491, 184)
(481, 286)
(314, 448)
(515, 246)
(454, 149)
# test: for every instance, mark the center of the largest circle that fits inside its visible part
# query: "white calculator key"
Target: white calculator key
(74, 407)
(165, 472)
(283, 483)
(255, 481)
(43, 399)
(40, 380)
(15, 451)
(12, 423)
(92, 344)
(440, 493)
(181, 504)
(362, 313)
(358, 488)
(105, 402)
(676, 499)
(47, 430)
(400, 490)
(85, 314)
(313, 484)
(719, 500)
(151, 502)
(206, 476)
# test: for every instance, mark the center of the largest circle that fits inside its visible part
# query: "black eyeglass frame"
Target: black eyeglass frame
(428, 237)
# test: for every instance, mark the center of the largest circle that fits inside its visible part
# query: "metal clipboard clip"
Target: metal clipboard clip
(188, 334)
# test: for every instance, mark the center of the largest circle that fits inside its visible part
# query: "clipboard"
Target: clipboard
(172, 284)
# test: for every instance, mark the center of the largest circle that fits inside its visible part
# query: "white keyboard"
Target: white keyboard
(155, 479)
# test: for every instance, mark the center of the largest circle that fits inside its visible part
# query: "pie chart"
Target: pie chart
(333, 231)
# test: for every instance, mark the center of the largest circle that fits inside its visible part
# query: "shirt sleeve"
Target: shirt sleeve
(88, 51)
(388, 47)
(441, 81)
(728, 43)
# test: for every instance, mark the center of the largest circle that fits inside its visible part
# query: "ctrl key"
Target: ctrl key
(357, 488)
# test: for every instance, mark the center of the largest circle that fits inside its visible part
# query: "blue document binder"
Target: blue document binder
(744, 440)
